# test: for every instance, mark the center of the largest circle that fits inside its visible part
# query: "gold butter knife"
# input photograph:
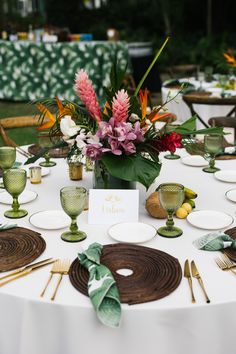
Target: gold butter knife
(195, 274)
(188, 276)
(27, 271)
(19, 270)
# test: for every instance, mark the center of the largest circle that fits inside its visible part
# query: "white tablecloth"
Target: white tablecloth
(180, 108)
(172, 325)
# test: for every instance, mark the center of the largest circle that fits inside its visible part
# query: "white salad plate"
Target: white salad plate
(132, 232)
(50, 219)
(25, 197)
(209, 219)
(194, 160)
(231, 195)
(226, 175)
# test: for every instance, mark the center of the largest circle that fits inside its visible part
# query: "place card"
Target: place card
(110, 206)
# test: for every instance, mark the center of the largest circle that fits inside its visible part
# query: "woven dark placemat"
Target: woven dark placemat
(19, 247)
(231, 253)
(155, 273)
(55, 153)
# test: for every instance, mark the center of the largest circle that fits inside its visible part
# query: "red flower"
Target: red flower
(168, 142)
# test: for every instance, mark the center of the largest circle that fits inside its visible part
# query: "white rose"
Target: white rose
(68, 127)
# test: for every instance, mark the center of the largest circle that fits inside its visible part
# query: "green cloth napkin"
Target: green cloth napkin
(214, 241)
(7, 226)
(102, 287)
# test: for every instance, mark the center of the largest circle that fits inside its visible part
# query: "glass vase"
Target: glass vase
(102, 179)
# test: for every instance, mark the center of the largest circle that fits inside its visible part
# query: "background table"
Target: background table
(31, 325)
(30, 70)
(182, 111)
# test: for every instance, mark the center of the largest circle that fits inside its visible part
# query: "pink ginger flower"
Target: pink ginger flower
(85, 91)
(120, 106)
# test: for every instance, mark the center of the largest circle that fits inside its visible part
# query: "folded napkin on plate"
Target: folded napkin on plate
(102, 287)
(214, 241)
(7, 226)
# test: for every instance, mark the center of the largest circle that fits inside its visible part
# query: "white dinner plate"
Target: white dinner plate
(44, 170)
(226, 175)
(209, 219)
(25, 197)
(231, 195)
(194, 160)
(132, 232)
(50, 219)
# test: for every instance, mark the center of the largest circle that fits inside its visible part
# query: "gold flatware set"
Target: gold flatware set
(60, 267)
(224, 263)
(196, 275)
(23, 271)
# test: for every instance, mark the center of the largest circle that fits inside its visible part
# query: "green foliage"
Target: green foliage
(132, 168)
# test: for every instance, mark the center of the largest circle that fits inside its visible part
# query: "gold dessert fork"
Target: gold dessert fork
(225, 263)
(55, 269)
(63, 270)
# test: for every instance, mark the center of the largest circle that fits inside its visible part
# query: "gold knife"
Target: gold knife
(195, 274)
(19, 270)
(188, 276)
(27, 271)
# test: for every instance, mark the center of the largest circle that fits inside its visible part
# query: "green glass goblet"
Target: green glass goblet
(45, 142)
(7, 158)
(171, 197)
(14, 182)
(172, 156)
(212, 146)
(73, 200)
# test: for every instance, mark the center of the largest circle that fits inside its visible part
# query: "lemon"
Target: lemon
(181, 213)
(187, 207)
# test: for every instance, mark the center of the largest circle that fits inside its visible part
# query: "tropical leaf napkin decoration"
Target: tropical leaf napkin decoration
(214, 241)
(102, 287)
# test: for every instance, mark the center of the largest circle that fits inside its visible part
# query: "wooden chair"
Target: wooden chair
(205, 98)
(226, 122)
(16, 122)
(183, 70)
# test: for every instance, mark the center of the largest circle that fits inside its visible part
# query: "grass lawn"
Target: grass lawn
(21, 136)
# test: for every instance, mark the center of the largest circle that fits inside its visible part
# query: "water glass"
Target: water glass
(73, 201)
(171, 196)
(14, 182)
(212, 146)
(172, 156)
(7, 158)
(45, 142)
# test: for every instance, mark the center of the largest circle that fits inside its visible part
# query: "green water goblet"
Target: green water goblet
(45, 142)
(171, 196)
(212, 146)
(73, 201)
(7, 158)
(172, 156)
(14, 182)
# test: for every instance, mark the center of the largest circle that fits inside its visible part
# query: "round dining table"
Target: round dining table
(182, 111)
(30, 324)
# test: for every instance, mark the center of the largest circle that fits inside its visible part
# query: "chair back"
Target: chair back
(205, 98)
(226, 122)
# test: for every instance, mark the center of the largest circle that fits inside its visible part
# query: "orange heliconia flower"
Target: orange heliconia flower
(51, 119)
(229, 56)
(143, 96)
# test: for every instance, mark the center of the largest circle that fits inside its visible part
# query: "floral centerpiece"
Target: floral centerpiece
(120, 136)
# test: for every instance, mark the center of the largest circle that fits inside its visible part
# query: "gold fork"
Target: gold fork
(55, 269)
(225, 263)
(63, 270)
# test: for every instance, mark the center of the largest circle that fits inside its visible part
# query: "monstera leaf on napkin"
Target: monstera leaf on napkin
(102, 287)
